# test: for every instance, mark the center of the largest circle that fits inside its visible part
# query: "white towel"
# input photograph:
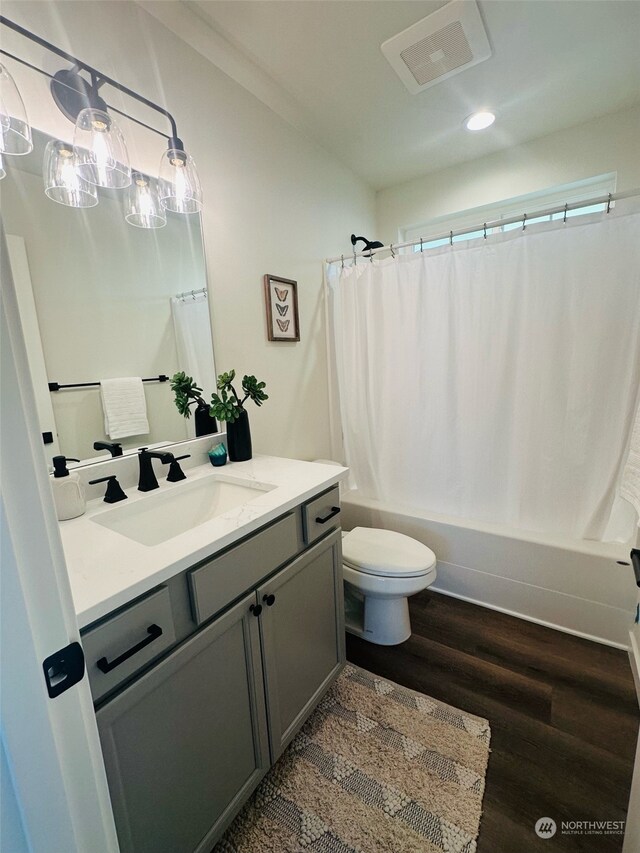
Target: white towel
(630, 485)
(125, 407)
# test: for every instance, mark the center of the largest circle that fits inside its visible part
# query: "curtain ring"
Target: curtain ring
(451, 238)
(421, 244)
(524, 221)
(564, 218)
(393, 254)
(609, 204)
(485, 230)
(355, 260)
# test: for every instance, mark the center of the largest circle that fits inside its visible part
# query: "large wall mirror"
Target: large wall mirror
(102, 299)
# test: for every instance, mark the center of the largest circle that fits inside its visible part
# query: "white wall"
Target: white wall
(274, 201)
(607, 144)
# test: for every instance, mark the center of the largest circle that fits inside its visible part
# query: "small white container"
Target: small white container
(68, 491)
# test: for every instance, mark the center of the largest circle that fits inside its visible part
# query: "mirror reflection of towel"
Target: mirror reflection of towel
(125, 407)
(192, 325)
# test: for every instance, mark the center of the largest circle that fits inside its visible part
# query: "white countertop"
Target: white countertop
(107, 569)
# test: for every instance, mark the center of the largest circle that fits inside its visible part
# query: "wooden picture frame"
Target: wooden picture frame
(281, 300)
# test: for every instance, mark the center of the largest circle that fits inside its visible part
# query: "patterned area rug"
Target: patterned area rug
(377, 768)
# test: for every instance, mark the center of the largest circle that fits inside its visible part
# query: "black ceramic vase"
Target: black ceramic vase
(205, 424)
(239, 438)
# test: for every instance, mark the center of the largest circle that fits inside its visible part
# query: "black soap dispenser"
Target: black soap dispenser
(68, 491)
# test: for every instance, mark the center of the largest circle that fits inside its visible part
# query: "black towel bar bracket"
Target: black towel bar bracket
(56, 386)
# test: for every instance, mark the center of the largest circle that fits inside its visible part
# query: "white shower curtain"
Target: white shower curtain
(494, 380)
(192, 326)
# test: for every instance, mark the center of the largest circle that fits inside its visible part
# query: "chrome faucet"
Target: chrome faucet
(148, 480)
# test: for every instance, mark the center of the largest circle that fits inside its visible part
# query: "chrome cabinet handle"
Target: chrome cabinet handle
(154, 631)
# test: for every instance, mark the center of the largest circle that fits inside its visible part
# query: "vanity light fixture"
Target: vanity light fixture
(100, 155)
(14, 125)
(180, 186)
(144, 209)
(480, 120)
(62, 181)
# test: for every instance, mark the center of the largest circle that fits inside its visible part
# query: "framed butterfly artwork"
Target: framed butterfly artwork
(281, 298)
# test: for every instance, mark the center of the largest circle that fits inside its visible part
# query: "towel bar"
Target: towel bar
(56, 386)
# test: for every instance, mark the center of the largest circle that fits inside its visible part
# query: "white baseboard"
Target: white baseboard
(535, 620)
(580, 617)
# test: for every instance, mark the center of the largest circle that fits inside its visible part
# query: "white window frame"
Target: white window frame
(584, 190)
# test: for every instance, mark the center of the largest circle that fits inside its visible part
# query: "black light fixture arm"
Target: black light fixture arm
(98, 79)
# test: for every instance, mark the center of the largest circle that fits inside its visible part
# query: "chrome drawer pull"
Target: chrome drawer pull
(334, 511)
(154, 631)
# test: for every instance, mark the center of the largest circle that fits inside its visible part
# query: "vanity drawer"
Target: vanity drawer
(128, 641)
(220, 581)
(320, 515)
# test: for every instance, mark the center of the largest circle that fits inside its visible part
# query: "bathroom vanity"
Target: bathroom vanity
(214, 654)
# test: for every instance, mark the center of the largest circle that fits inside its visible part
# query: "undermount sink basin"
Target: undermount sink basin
(165, 514)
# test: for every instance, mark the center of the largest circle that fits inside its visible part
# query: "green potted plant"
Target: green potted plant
(187, 394)
(227, 406)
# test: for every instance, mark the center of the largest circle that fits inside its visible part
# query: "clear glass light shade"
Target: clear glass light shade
(144, 209)
(14, 125)
(180, 189)
(62, 183)
(3, 172)
(101, 153)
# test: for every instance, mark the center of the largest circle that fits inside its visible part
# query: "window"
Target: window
(553, 197)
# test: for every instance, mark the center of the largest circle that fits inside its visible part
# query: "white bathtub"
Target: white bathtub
(574, 585)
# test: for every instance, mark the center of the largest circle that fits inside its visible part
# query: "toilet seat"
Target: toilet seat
(386, 553)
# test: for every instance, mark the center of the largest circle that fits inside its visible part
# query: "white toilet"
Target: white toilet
(381, 570)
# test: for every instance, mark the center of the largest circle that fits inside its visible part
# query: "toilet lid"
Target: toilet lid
(386, 553)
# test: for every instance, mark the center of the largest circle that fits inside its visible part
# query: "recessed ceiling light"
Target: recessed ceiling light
(479, 121)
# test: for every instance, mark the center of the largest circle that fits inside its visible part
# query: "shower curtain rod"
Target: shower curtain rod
(483, 226)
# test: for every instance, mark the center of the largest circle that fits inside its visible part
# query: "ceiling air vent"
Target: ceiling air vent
(439, 46)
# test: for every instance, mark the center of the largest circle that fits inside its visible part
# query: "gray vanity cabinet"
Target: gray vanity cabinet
(302, 634)
(226, 686)
(185, 744)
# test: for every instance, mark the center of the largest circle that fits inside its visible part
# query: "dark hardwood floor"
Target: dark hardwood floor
(563, 714)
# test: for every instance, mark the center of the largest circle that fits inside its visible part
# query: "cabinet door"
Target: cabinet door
(302, 628)
(187, 742)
